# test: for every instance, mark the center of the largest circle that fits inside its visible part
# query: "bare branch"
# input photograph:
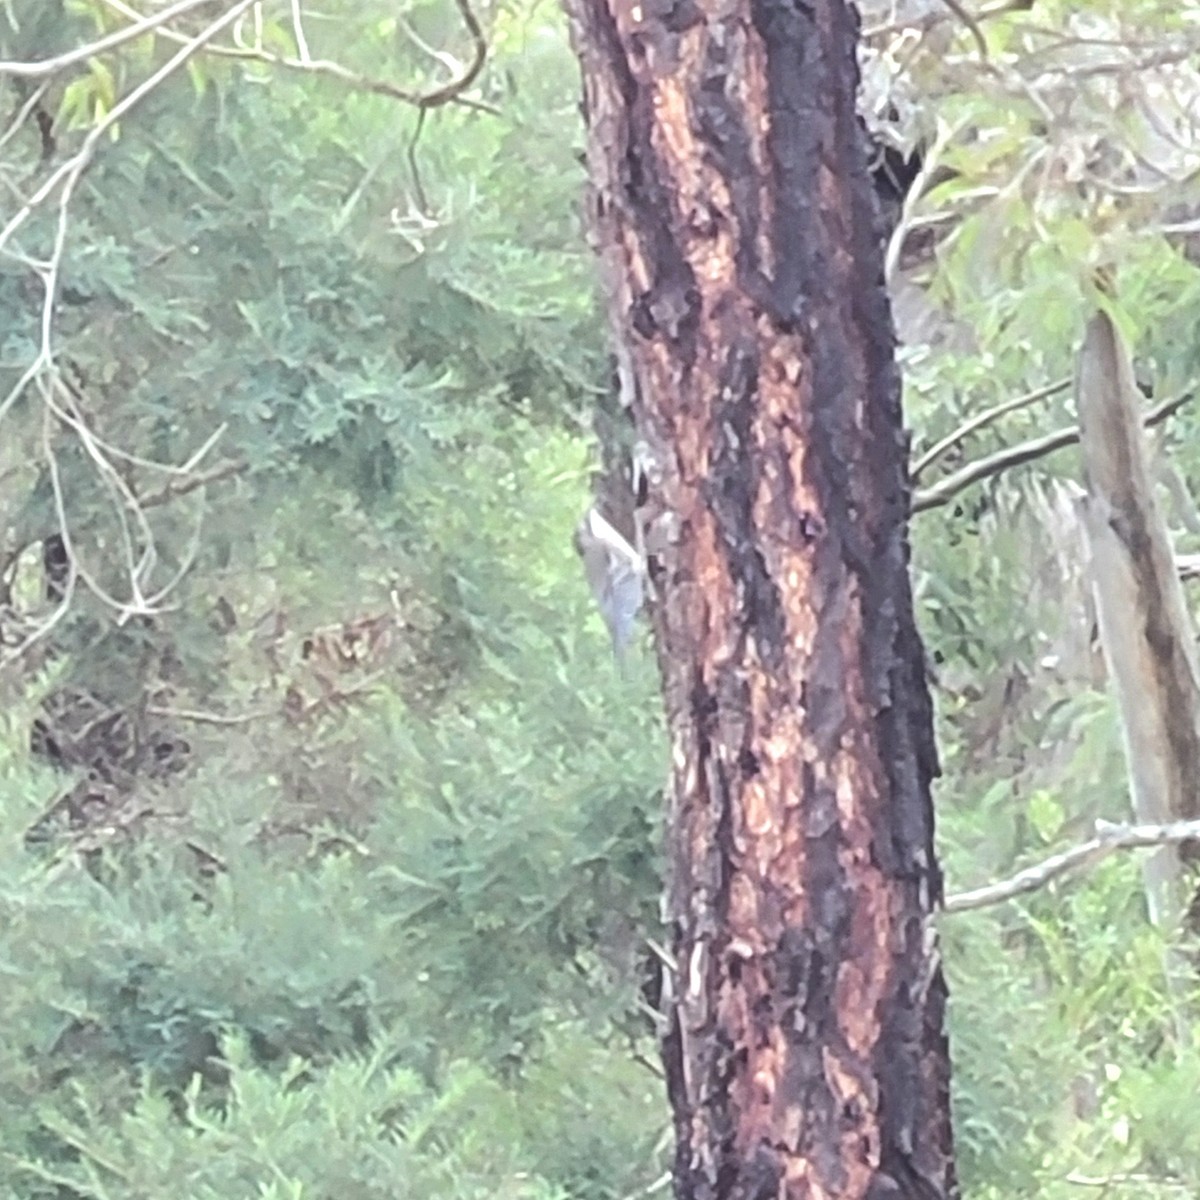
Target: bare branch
(1126, 1179)
(1109, 838)
(68, 592)
(987, 12)
(978, 421)
(450, 92)
(181, 486)
(64, 529)
(34, 98)
(200, 717)
(58, 399)
(124, 501)
(173, 490)
(298, 32)
(946, 489)
(68, 174)
(143, 25)
(74, 417)
(414, 168)
(1163, 57)
(930, 161)
(660, 1184)
(972, 25)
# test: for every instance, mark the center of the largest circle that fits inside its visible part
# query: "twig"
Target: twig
(447, 60)
(1109, 838)
(172, 491)
(68, 592)
(33, 100)
(1188, 566)
(931, 160)
(986, 13)
(642, 1061)
(64, 530)
(182, 486)
(199, 717)
(946, 489)
(972, 24)
(124, 502)
(298, 32)
(76, 397)
(978, 421)
(1125, 1179)
(68, 174)
(664, 956)
(450, 92)
(143, 25)
(1164, 57)
(414, 169)
(57, 398)
(208, 860)
(660, 1184)
(67, 177)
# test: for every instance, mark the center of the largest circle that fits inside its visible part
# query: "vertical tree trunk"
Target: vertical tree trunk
(734, 215)
(1149, 642)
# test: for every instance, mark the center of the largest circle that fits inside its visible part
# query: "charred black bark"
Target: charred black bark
(733, 208)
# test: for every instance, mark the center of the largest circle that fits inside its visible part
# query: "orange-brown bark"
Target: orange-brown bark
(733, 213)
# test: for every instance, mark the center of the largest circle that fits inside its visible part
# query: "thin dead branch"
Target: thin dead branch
(986, 13)
(174, 489)
(193, 482)
(1109, 839)
(201, 717)
(31, 102)
(945, 490)
(59, 186)
(972, 25)
(985, 418)
(1126, 1179)
(60, 403)
(140, 27)
(447, 93)
(908, 221)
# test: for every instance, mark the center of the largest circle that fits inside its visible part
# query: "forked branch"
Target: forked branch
(446, 93)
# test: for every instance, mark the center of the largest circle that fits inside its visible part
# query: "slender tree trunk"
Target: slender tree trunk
(1149, 641)
(734, 216)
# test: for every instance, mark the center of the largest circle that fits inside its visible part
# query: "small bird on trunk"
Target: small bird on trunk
(615, 573)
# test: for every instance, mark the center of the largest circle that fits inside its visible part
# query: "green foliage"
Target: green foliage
(380, 932)
(361, 1128)
(333, 877)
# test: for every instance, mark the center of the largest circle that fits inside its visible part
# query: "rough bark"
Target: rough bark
(735, 219)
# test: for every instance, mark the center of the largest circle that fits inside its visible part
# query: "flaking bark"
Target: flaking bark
(734, 216)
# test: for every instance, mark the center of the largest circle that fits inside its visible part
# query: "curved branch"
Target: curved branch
(414, 169)
(31, 102)
(57, 401)
(1109, 838)
(946, 489)
(931, 19)
(68, 174)
(978, 421)
(907, 222)
(143, 25)
(972, 25)
(447, 93)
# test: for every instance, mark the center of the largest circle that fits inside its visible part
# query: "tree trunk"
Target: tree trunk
(734, 216)
(1149, 642)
